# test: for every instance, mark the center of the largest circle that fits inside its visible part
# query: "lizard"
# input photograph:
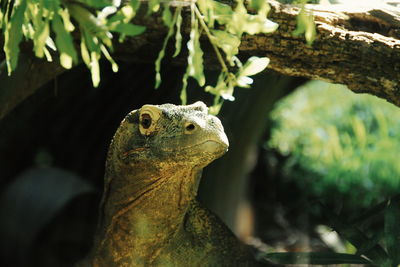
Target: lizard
(149, 215)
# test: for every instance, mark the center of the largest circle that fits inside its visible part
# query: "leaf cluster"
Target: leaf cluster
(223, 27)
(50, 26)
(343, 143)
(343, 151)
(62, 27)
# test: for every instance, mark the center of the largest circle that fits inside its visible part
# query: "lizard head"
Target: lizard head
(170, 135)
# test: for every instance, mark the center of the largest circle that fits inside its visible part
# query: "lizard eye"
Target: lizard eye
(145, 121)
(190, 127)
(148, 118)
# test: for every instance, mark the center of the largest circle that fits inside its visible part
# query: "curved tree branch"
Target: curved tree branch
(359, 47)
(356, 46)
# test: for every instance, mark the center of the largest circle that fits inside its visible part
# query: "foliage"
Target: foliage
(343, 143)
(343, 151)
(52, 25)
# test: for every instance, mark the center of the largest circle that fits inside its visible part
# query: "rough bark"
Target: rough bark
(356, 46)
(359, 47)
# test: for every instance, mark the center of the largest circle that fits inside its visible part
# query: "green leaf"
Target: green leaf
(109, 58)
(135, 4)
(183, 94)
(322, 258)
(260, 6)
(38, 29)
(154, 6)
(229, 43)
(224, 87)
(13, 34)
(178, 35)
(90, 23)
(244, 81)
(217, 105)
(195, 58)
(254, 65)
(392, 231)
(84, 51)
(167, 16)
(306, 25)
(1, 19)
(223, 12)
(212, 10)
(64, 43)
(255, 24)
(128, 29)
(95, 68)
(40, 38)
(66, 19)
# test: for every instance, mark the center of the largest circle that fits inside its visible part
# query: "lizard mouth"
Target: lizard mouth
(212, 146)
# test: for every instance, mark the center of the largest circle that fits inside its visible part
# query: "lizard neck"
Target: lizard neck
(143, 211)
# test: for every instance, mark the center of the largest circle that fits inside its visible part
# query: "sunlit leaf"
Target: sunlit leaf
(216, 107)
(40, 37)
(13, 35)
(167, 16)
(109, 58)
(90, 23)
(178, 35)
(195, 58)
(85, 52)
(254, 65)
(47, 54)
(154, 6)
(95, 68)
(244, 81)
(128, 29)
(306, 25)
(1, 19)
(260, 6)
(222, 11)
(183, 94)
(135, 4)
(229, 43)
(64, 43)
(224, 87)
(343, 150)
(66, 19)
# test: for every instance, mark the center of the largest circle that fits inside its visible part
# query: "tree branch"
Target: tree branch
(356, 46)
(359, 47)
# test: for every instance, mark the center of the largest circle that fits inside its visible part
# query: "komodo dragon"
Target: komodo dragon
(149, 215)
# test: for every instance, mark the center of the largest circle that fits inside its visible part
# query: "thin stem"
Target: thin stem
(210, 37)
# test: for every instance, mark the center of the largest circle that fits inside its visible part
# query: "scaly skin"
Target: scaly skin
(149, 213)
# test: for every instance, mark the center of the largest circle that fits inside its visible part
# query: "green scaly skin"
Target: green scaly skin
(149, 212)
